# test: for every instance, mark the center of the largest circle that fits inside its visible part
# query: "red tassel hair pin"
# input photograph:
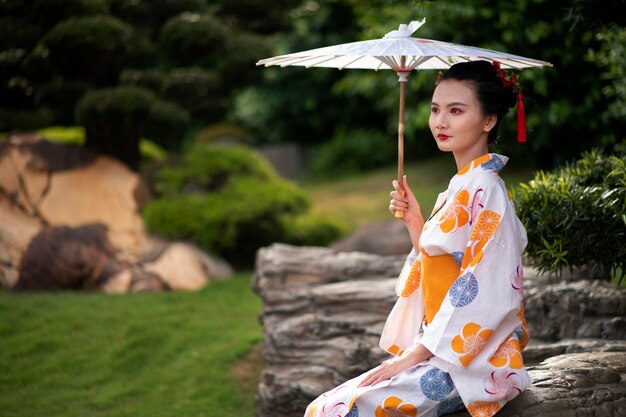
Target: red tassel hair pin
(510, 80)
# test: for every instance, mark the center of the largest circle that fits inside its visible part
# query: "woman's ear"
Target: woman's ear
(490, 123)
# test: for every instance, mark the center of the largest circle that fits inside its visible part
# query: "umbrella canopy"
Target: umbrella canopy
(398, 51)
(402, 53)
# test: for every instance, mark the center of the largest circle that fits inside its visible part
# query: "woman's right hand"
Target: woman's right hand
(403, 199)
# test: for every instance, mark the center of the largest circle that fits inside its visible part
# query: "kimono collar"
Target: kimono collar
(488, 162)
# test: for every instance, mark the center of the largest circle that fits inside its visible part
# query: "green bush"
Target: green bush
(92, 47)
(116, 118)
(152, 79)
(230, 200)
(576, 216)
(167, 124)
(150, 15)
(312, 230)
(196, 90)
(223, 132)
(61, 97)
(46, 13)
(194, 39)
(16, 32)
(233, 222)
(23, 120)
(207, 168)
(353, 151)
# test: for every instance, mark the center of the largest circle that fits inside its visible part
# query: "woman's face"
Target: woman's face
(457, 121)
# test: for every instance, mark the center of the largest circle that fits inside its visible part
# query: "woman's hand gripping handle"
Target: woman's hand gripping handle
(403, 200)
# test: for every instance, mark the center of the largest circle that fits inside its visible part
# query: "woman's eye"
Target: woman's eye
(456, 111)
(434, 110)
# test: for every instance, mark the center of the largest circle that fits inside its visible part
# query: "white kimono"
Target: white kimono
(461, 297)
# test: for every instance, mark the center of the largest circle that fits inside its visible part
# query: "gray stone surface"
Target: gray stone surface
(578, 309)
(382, 238)
(574, 385)
(323, 313)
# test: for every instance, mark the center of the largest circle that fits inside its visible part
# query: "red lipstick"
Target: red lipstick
(441, 136)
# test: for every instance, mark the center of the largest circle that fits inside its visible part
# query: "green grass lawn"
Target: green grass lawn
(362, 199)
(160, 354)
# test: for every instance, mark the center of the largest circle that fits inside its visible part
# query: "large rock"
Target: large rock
(579, 309)
(71, 220)
(575, 385)
(322, 317)
(323, 313)
(382, 238)
(537, 351)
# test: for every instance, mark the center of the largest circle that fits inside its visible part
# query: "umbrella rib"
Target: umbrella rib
(385, 60)
(525, 63)
(275, 61)
(446, 63)
(322, 61)
(297, 60)
(350, 63)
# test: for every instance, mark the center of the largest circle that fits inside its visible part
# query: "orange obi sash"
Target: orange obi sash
(438, 274)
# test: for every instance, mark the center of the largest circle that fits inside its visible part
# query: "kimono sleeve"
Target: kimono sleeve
(481, 308)
(404, 320)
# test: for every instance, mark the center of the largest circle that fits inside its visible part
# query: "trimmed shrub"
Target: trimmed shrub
(17, 33)
(194, 39)
(197, 91)
(115, 119)
(92, 47)
(223, 132)
(233, 222)
(46, 13)
(231, 201)
(353, 151)
(62, 97)
(166, 124)
(24, 120)
(312, 230)
(576, 215)
(152, 79)
(211, 168)
(236, 64)
(151, 15)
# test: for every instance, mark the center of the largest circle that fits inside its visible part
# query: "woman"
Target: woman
(457, 330)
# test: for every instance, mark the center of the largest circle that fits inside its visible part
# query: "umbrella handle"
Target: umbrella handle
(398, 214)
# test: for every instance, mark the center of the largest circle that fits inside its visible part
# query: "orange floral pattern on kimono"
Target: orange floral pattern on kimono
(395, 407)
(483, 408)
(470, 341)
(457, 214)
(508, 353)
(413, 280)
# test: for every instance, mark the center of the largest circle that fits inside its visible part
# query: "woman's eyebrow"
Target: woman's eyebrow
(456, 103)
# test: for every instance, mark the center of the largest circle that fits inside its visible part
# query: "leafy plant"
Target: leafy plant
(116, 118)
(230, 201)
(576, 216)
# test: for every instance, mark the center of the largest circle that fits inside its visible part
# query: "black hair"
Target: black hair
(493, 97)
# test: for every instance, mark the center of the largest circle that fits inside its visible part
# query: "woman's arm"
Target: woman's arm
(394, 366)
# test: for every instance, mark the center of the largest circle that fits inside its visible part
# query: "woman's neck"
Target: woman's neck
(468, 155)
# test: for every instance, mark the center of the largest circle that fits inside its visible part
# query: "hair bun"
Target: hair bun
(509, 96)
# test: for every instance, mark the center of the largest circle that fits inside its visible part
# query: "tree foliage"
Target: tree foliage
(567, 106)
(194, 53)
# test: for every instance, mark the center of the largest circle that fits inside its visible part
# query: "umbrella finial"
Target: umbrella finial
(405, 31)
